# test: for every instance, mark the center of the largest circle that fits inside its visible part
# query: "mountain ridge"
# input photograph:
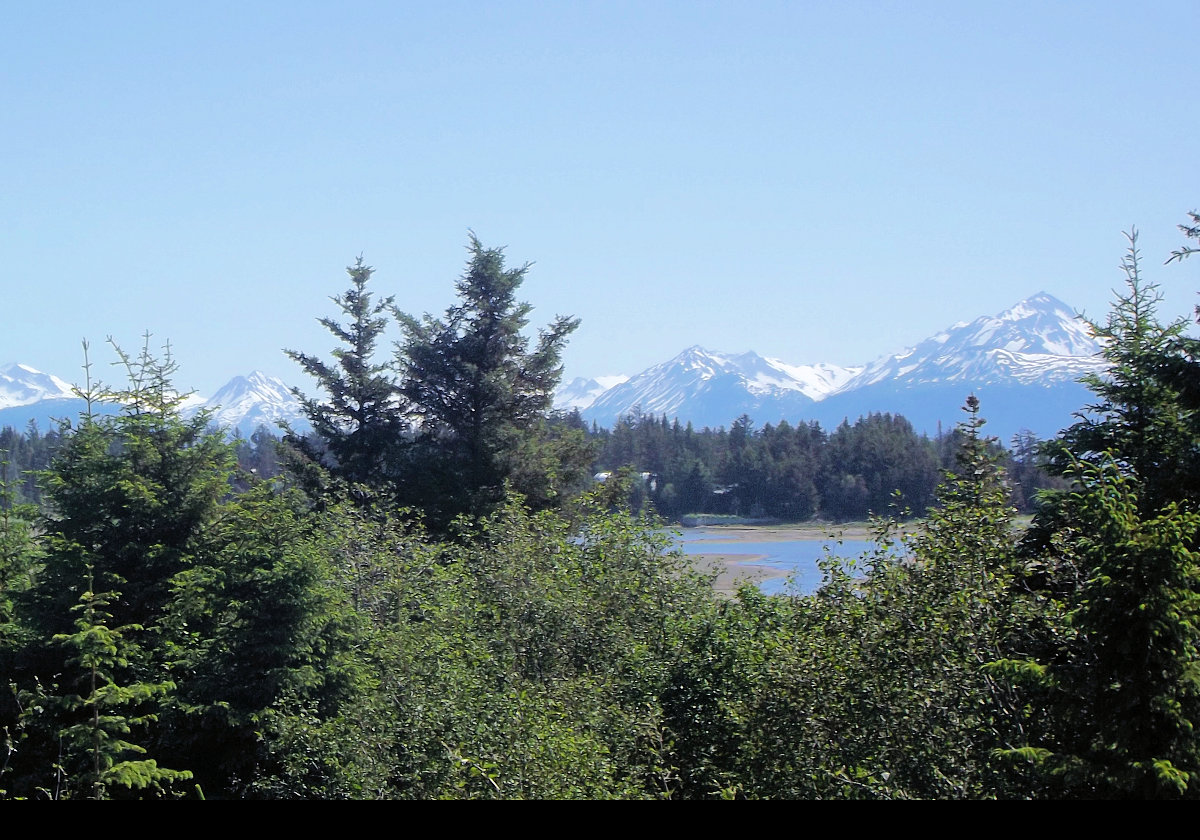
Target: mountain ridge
(1024, 363)
(242, 404)
(1028, 358)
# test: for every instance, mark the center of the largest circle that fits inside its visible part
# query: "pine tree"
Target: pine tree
(360, 422)
(97, 719)
(480, 391)
(1140, 419)
(1118, 550)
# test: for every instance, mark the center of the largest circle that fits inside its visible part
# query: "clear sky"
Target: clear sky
(817, 181)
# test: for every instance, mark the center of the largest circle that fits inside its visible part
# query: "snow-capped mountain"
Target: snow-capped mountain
(27, 394)
(1023, 363)
(1040, 340)
(23, 385)
(243, 404)
(579, 393)
(247, 402)
(704, 387)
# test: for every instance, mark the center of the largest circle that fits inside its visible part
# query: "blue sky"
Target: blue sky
(820, 182)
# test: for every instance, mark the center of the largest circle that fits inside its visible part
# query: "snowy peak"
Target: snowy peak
(23, 385)
(1041, 324)
(247, 402)
(757, 374)
(579, 393)
(255, 388)
(711, 388)
(1038, 345)
(1040, 338)
(817, 381)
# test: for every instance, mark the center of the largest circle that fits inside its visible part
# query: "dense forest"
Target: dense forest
(779, 473)
(875, 466)
(430, 597)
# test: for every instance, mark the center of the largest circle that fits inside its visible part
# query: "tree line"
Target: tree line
(875, 466)
(422, 605)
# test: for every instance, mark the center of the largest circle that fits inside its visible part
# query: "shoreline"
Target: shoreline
(734, 568)
(827, 532)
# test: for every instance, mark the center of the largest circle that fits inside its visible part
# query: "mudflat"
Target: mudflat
(734, 569)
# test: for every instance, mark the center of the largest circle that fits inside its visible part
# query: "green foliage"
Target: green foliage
(871, 461)
(881, 685)
(1127, 694)
(792, 473)
(94, 756)
(225, 627)
(263, 635)
(481, 393)
(1191, 231)
(523, 647)
(1118, 553)
(1140, 419)
(524, 658)
(19, 554)
(361, 423)
(129, 494)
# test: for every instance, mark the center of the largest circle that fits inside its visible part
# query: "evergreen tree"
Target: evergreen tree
(129, 500)
(879, 685)
(95, 721)
(1126, 699)
(1191, 231)
(1118, 549)
(130, 494)
(1140, 419)
(481, 393)
(224, 634)
(360, 423)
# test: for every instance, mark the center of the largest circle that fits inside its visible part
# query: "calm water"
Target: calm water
(797, 557)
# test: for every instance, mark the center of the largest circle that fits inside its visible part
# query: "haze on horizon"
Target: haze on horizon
(818, 183)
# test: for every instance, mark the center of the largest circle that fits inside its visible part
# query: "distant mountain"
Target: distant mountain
(243, 404)
(711, 389)
(246, 402)
(579, 393)
(1023, 363)
(1038, 341)
(27, 394)
(23, 385)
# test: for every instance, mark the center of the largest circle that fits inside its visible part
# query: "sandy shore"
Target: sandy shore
(735, 569)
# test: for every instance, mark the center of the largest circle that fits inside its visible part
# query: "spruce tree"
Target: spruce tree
(130, 498)
(480, 391)
(130, 494)
(1126, 696)
(360, 421)
(96, 720)
(1118, 551)
(1140, 419)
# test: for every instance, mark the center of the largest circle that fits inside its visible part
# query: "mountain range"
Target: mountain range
(1024, 364)
(243, 404)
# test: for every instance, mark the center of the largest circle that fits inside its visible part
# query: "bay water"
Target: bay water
(798, 558)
